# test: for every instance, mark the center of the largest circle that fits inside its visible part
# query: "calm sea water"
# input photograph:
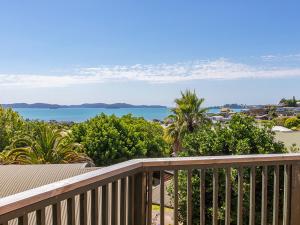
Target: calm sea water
(82, 114)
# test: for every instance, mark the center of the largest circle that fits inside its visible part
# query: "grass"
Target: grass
(157, 208)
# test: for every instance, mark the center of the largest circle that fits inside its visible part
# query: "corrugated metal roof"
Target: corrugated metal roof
(19, 178)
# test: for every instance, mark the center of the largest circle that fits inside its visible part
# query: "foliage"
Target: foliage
(241, 135)
(272, 112)
(292, 122)
(109, 139)
(45, 145)
(294, 148)
(7, 158)
(289, 102)
(11, 124)
(280, 121)
(188, 115)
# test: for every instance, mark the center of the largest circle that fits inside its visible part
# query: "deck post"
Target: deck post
(140, 205)
(295, 195)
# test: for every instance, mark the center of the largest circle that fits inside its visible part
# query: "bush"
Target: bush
(280, 121)
(110, 139)
(11, 124)
(241, 135)
(292, 122)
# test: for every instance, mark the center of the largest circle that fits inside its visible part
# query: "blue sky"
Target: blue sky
(145, 52)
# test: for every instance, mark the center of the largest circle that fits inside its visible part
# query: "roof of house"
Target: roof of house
(19, 178)
(281, 129)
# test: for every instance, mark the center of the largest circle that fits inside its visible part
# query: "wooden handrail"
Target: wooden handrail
(50, 193)
(53, 190)
(224, 160)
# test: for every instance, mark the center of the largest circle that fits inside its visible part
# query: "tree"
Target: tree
(272, 112)
(241, 135)
(46, 145)
(294, 101)
(6, 157)
(11, 124)
(174, 133)
(110, 139)
(188, 115)
(289, 102)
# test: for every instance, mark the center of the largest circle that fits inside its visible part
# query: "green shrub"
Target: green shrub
(280, 121)
(11, 124)
(292, 122)
(239, 136)
(110, 139)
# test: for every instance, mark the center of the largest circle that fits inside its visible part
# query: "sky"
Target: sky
(146, 52)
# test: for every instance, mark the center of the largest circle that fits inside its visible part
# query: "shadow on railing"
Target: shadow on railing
(122, 193)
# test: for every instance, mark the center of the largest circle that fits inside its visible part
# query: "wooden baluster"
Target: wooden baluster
(83, 208)
(40, 217)
(162, 198)
(95, 207)
(252, 196)
(264, 207)
(140, 206)
(23, 220)
(71, 211)
(287, 195)
(189, 197)
(295, 194)
(104, 205)
(114, 203)
(56, 214)
(215, 196)
(276, 195)
(175, 197)
(123, 192)
(228, 196)
(130, 200)
(240, 197)
(202, 197)
(149, 200)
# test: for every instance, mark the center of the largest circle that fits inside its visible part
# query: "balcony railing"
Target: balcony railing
(122, 193)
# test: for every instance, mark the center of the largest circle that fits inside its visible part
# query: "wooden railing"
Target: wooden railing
(122, 193)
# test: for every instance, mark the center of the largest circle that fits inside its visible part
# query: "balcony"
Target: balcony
(122, 194)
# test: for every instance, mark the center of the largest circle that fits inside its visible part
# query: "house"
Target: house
(217, 118)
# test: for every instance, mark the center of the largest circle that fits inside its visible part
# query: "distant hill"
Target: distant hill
(85, 105)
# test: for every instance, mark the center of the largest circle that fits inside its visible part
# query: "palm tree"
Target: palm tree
(6, 157)
(187, 116)
(174, 133)
(189, 110)
(47, 145)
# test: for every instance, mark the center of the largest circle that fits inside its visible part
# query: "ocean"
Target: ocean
(82, 114)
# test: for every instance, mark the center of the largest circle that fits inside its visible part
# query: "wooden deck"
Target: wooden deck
(130, 199)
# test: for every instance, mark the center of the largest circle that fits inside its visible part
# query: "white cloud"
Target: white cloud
(221, 69)
(281, 58)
